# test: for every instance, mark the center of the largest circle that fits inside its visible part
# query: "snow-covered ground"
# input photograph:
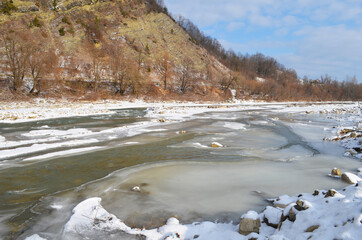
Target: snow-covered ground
(40, 109)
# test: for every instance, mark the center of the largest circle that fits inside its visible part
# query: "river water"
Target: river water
(47, 167)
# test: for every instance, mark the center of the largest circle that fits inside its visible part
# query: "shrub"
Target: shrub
(61, 31)
(147, 49)
(65, 20)
(7, 6)
(35, 22)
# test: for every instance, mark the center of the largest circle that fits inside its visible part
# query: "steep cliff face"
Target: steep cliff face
(121, 47)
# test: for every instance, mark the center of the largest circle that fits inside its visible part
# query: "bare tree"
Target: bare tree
(41, 61)
(36, 65)
(164, 68)
(16, 55)
(118, 67)
(186, 74)
(98, 66)
(228, 81)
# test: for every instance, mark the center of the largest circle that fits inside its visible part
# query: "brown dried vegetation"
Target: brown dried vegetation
(103, 49)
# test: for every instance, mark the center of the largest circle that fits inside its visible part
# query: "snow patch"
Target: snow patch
(259, 79)
(199, 145)
(35, 237)
(62, 153)
(251, 215)
(235, 125)
(8, 153)
(42, 133)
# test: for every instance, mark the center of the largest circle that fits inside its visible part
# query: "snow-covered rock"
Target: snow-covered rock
(272, 216)
(89, 215)
(216, 145)
(250, 223)
(350, 178)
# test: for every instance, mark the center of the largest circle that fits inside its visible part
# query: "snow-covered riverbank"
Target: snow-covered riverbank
(322, 215)
(41, 109)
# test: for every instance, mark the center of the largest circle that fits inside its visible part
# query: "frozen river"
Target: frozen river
(148, 165)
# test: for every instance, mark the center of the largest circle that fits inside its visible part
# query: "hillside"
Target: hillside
(107, 47)
(89, 49)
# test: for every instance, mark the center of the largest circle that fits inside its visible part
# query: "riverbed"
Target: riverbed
(150, 164)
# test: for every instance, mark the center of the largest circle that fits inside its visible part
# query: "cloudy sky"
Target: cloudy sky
(314, 37)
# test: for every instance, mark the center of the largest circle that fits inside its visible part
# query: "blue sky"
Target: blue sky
(314, 37)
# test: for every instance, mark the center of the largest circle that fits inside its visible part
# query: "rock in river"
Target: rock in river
(336, 172)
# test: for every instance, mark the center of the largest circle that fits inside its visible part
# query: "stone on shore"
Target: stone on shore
(250, 223)
(272, 216)
(350, 178)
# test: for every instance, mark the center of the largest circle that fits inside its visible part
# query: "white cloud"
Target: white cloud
(330, 49)
(323, 36)
(233, 26)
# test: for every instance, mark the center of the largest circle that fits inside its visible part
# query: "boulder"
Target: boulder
(250, 223)
(336, 172)
(350, 178)
(272, 216)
